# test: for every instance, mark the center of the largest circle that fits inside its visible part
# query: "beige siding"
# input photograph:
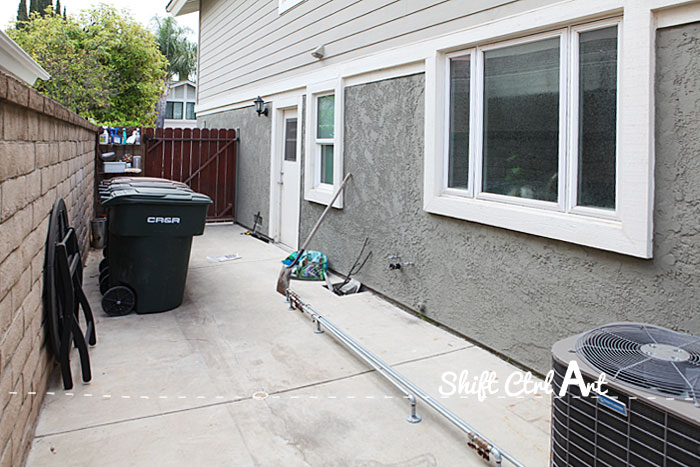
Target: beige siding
(245, 41)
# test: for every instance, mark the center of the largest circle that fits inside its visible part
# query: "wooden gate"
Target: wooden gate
(204, 159)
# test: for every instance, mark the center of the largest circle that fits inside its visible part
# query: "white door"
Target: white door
(289, 181)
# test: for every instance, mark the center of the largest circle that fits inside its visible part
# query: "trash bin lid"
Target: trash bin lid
(120, 183)
(140, 181)
(153, 195)
(106, 189)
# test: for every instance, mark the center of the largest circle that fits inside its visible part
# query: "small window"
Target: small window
(173, 110)
(325, 132)
(326, 109)
(327, 164)
(190, 115)
(597, 122)
(323, 161)
(521, 120)
(460, 83)
(177, 110)
(290, 139)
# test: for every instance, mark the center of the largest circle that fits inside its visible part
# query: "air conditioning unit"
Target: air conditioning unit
(651, 413)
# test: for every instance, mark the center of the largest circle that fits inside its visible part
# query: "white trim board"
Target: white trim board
(278, 106)
(273, 91)
(286, 5)
(675, 16)
(182, 7)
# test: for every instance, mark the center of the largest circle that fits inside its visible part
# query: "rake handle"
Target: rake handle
(320, 219)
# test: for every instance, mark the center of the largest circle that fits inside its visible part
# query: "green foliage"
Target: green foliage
(57, 10)
(173, 43)
(104, 65)
(60, 48)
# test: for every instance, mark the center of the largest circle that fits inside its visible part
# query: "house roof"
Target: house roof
(182, 83)
(17, 62)
(182, 7)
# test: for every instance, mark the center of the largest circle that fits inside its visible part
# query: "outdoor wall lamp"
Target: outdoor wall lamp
(260, 107)
(319, 53)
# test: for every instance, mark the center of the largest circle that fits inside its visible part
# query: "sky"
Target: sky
(141, 10)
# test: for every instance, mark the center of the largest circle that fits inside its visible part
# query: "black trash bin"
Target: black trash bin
(105, 189)
(150, 237)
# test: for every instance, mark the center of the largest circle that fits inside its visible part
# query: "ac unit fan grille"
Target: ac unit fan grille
(586, 433)
(657, 360)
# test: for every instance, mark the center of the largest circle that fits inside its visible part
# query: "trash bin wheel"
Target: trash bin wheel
(104, 273)
(103, 265)
(104, 283)
(118, 301)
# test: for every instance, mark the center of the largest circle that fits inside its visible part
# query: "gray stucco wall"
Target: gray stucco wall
(512, 292)
(253, 181)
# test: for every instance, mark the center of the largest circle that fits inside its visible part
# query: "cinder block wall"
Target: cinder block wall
(46, 152)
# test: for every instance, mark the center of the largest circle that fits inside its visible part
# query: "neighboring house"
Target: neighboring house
(536, 160)
(179, 105)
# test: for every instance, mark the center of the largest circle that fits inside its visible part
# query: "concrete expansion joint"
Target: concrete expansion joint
(232, 263)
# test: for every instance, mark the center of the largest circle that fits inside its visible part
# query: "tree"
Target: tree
(104, 65)
(173, 43)
(57, 10)
(22, 12)
(39, 7)
(34, 6)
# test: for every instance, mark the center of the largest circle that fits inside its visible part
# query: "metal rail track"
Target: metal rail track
(484, 447)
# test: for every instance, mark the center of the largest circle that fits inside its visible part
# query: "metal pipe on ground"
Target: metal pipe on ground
(477, 441)
(366, 356)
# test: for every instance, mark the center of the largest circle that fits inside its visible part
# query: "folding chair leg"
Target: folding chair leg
(64, 356)
(90, 335)
(83, 352)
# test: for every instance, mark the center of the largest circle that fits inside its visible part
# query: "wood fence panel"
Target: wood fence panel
(204, 159)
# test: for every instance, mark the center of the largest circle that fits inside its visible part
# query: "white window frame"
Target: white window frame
(314, 190)
(184, 103)
(184, 114)
(628, 228)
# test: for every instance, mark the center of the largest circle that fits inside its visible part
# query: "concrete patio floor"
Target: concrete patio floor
(187, 387)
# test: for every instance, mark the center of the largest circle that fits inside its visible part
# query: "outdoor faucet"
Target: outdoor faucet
(397, 265)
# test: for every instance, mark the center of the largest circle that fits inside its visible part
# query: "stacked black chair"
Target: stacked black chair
(64, 296)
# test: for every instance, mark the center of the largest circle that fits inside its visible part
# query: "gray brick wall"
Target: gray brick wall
(46, 152)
